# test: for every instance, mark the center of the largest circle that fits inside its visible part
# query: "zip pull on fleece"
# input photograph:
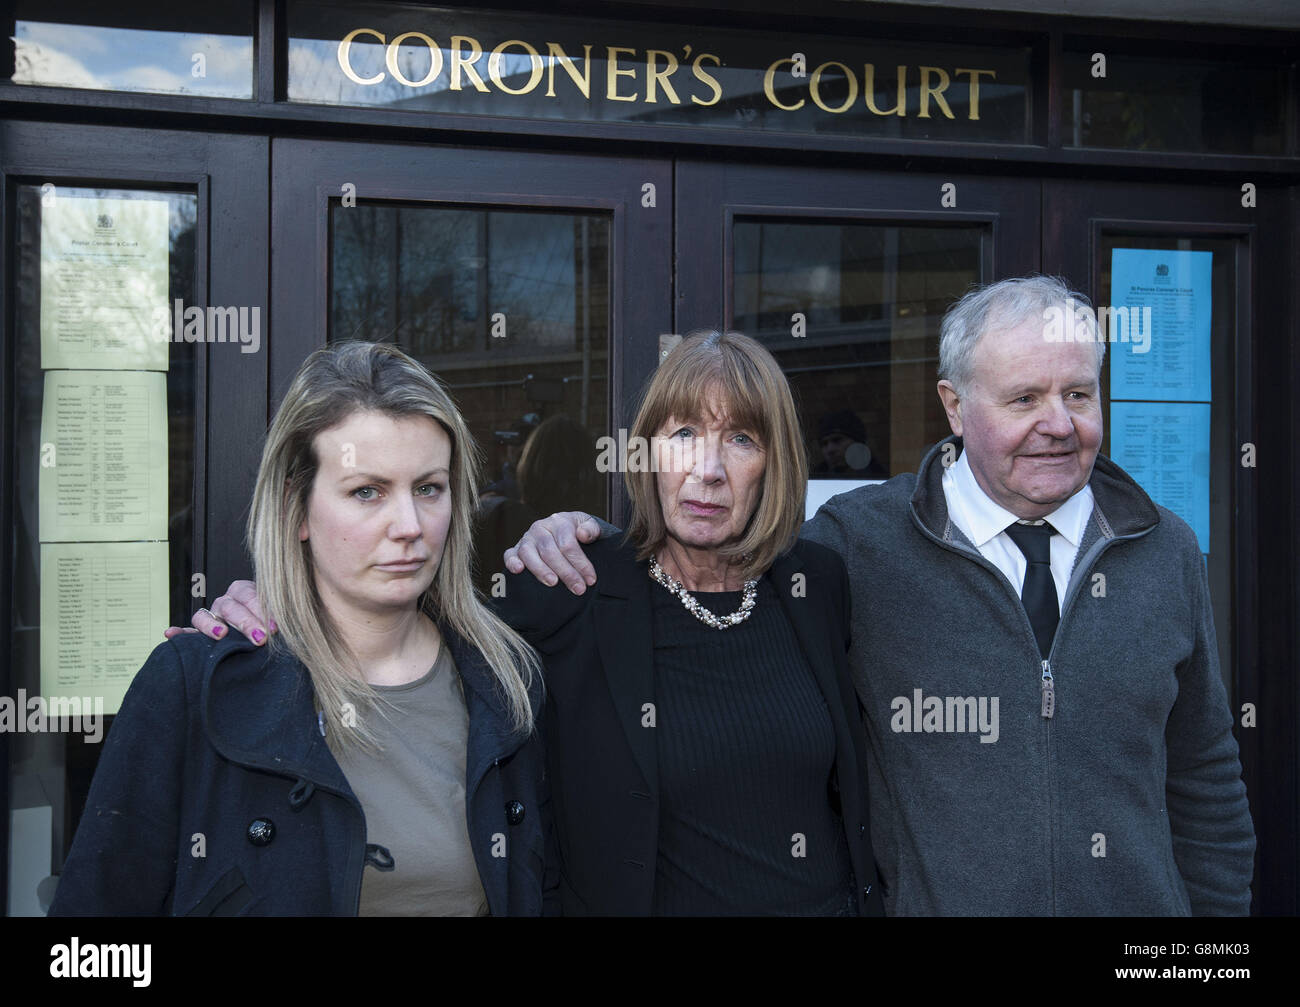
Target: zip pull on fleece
(1049, 691)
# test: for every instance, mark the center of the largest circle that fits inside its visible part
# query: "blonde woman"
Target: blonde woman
(704, 741)
(380, 756)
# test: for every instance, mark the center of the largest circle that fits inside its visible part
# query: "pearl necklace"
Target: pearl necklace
(657, 573)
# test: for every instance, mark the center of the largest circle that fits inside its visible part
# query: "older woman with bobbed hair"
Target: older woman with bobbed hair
(703, 735)
(704, 747)
(379, 758)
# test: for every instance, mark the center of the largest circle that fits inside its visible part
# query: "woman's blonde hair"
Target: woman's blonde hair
(749, 385)
(332, 384)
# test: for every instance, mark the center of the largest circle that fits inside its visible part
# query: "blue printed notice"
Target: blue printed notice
(1158, 327)
(1165, 447)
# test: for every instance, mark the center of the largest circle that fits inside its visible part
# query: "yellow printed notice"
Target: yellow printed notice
(103, 475)
(104, 283)
(103, 606)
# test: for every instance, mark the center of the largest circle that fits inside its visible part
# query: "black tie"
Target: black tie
(1039, 593)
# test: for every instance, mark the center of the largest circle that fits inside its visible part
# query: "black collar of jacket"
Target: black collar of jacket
(622, 622)
(623, 637)
(258, 710)
(492, 736)
(1124, 504)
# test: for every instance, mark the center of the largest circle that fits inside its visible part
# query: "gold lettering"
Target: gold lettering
(975, 88)
(612, 73)
(494, 67)
(768, 77)
(435, 59)
(458, 61)
(869, 90)
(814, 88)
(927, 90)
(654, 76)
(707, 78)
(558, 55)
(345, 49)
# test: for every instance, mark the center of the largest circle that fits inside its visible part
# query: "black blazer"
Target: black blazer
(603, 764)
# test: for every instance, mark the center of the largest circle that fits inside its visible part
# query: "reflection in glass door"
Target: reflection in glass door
(535, 285)
(510, 308)
(845, 277)
(852, 312)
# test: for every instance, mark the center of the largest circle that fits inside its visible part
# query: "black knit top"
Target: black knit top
(746, 751)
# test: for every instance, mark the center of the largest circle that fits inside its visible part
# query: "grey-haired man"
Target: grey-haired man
(1033, 649)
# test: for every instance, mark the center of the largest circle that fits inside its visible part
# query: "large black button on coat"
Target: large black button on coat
(514, 812)
(261, 831)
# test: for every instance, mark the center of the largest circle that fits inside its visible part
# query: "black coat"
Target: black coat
(214, 737)
(603, 764)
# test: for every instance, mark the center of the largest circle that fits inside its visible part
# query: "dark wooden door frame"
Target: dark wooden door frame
(228, 174)
(710, 195)
(1075, 217)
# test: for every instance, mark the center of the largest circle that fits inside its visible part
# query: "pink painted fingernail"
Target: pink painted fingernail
(258, 636)
(218, 630)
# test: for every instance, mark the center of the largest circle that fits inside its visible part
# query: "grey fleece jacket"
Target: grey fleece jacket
(1137, 762)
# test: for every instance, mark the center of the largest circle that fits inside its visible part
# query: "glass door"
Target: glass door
(845, 277)
(536, 286)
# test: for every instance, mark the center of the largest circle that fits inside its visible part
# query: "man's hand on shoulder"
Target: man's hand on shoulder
(238, 607)
(551, 550)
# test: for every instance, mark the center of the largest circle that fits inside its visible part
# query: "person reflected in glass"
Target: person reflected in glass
(556, 469)
(845, 454)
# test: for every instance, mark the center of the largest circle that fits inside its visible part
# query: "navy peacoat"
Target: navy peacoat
(217, 795)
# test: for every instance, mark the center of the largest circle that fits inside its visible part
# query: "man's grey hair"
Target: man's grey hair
(1004, 304)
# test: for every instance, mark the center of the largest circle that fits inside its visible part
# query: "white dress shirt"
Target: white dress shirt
(984, 522)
